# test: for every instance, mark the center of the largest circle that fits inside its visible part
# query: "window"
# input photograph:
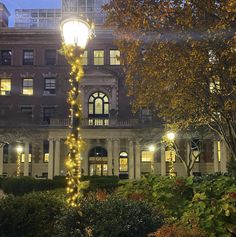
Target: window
(196, 149)
(28, 57)
(146, 115)
(6, 57)
(98, 105)
(27, 109)
(98, 57)
(84, 58)
(45, 151)
(27, 87)
(147, 156)
(114, 57)
(123, 161)
(170, 155)
(5, 86)
(22, 159)
(49, 86)
(48, 113)
(50, 57)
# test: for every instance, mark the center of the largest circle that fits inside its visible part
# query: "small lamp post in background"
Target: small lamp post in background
(19, 150)
(75, 34)
(171, 137)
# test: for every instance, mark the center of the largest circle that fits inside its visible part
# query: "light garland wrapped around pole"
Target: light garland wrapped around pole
(19, 150)
(170, 143)
(73, 52)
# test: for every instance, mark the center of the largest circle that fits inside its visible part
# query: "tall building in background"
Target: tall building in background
(50, 18)
(34, 112)
(4, 15)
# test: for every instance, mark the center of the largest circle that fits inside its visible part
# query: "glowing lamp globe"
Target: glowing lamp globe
(19, 149)
(75, 32)
(151, 148)
(170, 136)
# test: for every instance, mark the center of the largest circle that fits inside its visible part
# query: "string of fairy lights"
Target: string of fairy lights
(74, 141)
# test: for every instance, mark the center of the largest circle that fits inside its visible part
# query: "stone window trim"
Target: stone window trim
(28, 57)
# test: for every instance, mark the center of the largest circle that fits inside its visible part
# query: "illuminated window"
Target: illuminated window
(6, 57)
(50, 56)
(123, 162)
(147, 156)
(98, 56)
(170, 155)
(28, 87)
(114, 57)
(49, 86)
(45, 151)
(84, 58)
(218, 150)
(98, 105)
(5, 86)
(22, 159)
(196, 149)
(28, 57)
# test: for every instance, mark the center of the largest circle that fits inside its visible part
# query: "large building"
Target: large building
(34, 112)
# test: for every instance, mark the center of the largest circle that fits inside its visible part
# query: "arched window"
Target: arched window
(98, 105)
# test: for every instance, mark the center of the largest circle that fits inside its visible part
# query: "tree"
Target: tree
(179, 59)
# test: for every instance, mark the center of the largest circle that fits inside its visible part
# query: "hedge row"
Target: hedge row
(21, 185)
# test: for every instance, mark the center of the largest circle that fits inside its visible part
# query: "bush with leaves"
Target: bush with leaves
(168, 194)
(22, 185)
(31, 215)
(116, 217)
(178, 231)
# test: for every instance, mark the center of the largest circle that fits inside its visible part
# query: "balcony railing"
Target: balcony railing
(94, 122)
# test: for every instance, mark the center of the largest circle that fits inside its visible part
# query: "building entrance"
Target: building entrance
(98, 161)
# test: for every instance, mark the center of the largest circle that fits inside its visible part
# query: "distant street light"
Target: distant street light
(75, 34)
(19, 150)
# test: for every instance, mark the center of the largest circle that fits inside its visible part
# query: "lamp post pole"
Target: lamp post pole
(75, 34)
(171, 137)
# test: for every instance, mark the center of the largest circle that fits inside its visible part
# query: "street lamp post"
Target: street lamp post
(19, 150)
(75, 34)
(171, 137)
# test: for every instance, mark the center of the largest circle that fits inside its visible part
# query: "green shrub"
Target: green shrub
(22, 185)
(31, 215)
(117, 217)
(94, 183)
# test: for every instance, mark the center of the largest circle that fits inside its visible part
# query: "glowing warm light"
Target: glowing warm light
(75, 32)
(151, 148)
(170, 136)
(19, 149)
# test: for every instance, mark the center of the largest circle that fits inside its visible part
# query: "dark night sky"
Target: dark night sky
(29, 4)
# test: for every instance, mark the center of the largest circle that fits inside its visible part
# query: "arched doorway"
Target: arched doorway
(98, 161)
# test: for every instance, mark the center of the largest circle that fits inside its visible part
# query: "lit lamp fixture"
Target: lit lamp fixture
(19, 150)
(171, 137)
(75, 34)
(151, 148)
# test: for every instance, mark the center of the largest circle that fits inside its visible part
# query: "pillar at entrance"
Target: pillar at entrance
(1, 159)
(57, 157)
(223, 157)
(116, 156)
(50, 161)
(163, 161)
(26, 161)
(216, 158)
(137, 161)
(109, 156)
(131, 159)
